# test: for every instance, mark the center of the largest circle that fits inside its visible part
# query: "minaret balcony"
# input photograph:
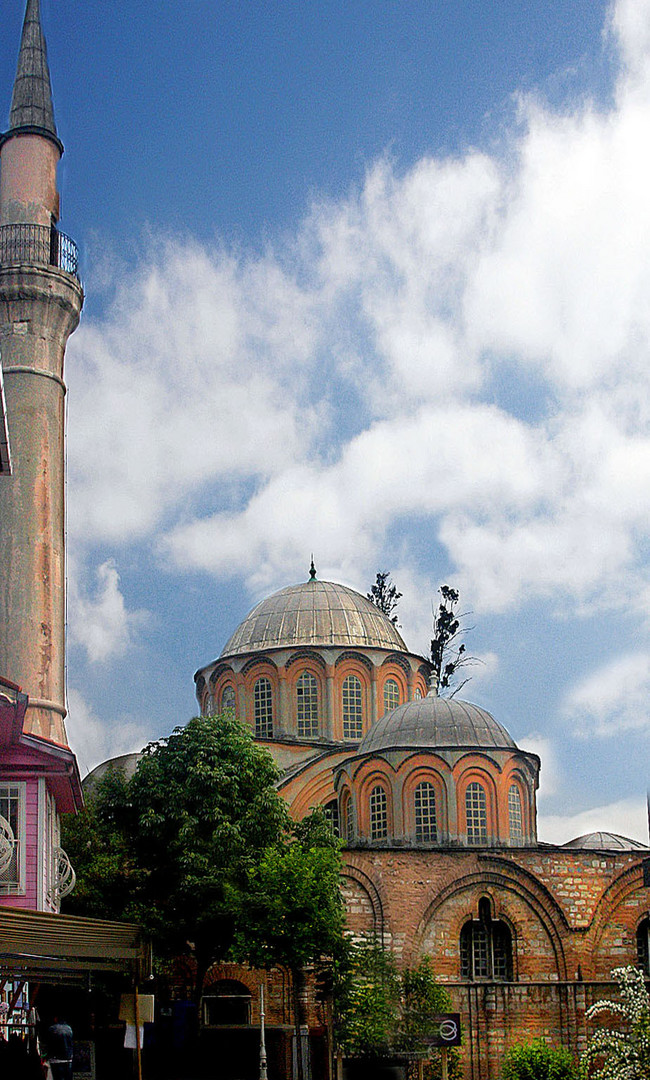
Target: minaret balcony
(38, 245)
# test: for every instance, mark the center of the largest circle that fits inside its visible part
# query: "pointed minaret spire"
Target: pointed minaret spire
(31, 105)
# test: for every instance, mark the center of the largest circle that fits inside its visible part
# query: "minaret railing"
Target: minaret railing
(38, 245)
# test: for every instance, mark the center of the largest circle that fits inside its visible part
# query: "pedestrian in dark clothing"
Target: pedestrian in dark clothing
(59, 1049)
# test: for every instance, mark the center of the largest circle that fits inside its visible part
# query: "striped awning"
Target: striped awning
(62, 948)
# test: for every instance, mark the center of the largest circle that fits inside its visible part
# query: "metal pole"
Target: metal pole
(138, 1050)
(263, 1072)
(443, 1058)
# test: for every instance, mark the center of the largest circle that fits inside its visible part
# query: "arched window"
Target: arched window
(352, 708)
(228, 698)
(307, 705)
(515, 816)
(485, 948)
(378, 814)
(425, 813)
(476, 814)
(332, 814)
(228, 1002)
(643, 946)
(391, 695)
(263, 705)
(417, 694)
(209, 705)
(347, 816)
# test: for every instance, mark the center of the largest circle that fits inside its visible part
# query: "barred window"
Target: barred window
(332, 814)
(378, 814)
(425, 812)
(307, 705)
(348, 819)
(643, 946)
(514, 813)
(476, 814)
(485, 948)
(417, 694)
(391, 695)
(263, 705)
(352, 708)
(228, 698)
(12, 810)
(209, 705)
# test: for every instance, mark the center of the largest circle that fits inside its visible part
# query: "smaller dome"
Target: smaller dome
(605, 841)
(433, 722)
(314, 613)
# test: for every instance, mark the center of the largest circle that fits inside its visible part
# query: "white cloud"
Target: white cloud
(93, 740)
(464, 343)
(613, 699)
(627, 817)
(100, 622)
(535, 743)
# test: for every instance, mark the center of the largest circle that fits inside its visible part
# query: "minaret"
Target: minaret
(40, 304)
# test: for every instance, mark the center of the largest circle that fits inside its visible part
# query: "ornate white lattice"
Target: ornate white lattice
(7, 844)
(65, 878)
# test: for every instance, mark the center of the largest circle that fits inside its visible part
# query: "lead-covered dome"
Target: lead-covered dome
(434, 722)
(314, 613)
(605, 841)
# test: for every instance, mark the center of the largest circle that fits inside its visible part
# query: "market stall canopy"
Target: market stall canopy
(67, 948)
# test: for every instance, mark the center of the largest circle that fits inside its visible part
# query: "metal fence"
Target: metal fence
(40, 245)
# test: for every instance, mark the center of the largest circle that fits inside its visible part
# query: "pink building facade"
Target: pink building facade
(39, 780)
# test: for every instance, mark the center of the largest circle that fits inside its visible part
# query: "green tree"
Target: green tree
(385, 595)
(97, 841)
(290, 911)
(621, 1052)
(199, 848)
(538, 1061)
(384, 1012)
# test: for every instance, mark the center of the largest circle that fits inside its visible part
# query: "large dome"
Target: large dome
(314, 613)
(434, 722)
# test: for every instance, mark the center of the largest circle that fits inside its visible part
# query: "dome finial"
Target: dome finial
(433, 684)
(312, 569)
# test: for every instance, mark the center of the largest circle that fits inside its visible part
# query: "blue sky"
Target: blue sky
(372, 280)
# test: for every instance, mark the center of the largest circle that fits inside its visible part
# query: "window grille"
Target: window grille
(348, 819)
(209, 705)
(425, 812)
(332, 814)
(11, 830)
(476, 814)
(391, 695)
(352, 708)
(378, 814)
(263, 704)
(514, 813)
(307, 705)
(417, 694)
(486, 951)
(228, 698)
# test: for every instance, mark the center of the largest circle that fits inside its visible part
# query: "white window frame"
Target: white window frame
(20, 788)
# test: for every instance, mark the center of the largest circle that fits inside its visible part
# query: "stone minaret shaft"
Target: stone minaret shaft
(40, 305)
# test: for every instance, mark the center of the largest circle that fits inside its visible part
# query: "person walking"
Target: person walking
(60, 1049)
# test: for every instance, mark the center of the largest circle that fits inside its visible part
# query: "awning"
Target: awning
(66, 948)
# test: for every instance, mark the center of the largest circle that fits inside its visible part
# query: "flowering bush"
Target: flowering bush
(621, 1052)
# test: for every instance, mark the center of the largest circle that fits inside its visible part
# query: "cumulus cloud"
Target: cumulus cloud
(627, 817)
(613, 699)
(99, 620)
(463, 343)
(94, 740)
